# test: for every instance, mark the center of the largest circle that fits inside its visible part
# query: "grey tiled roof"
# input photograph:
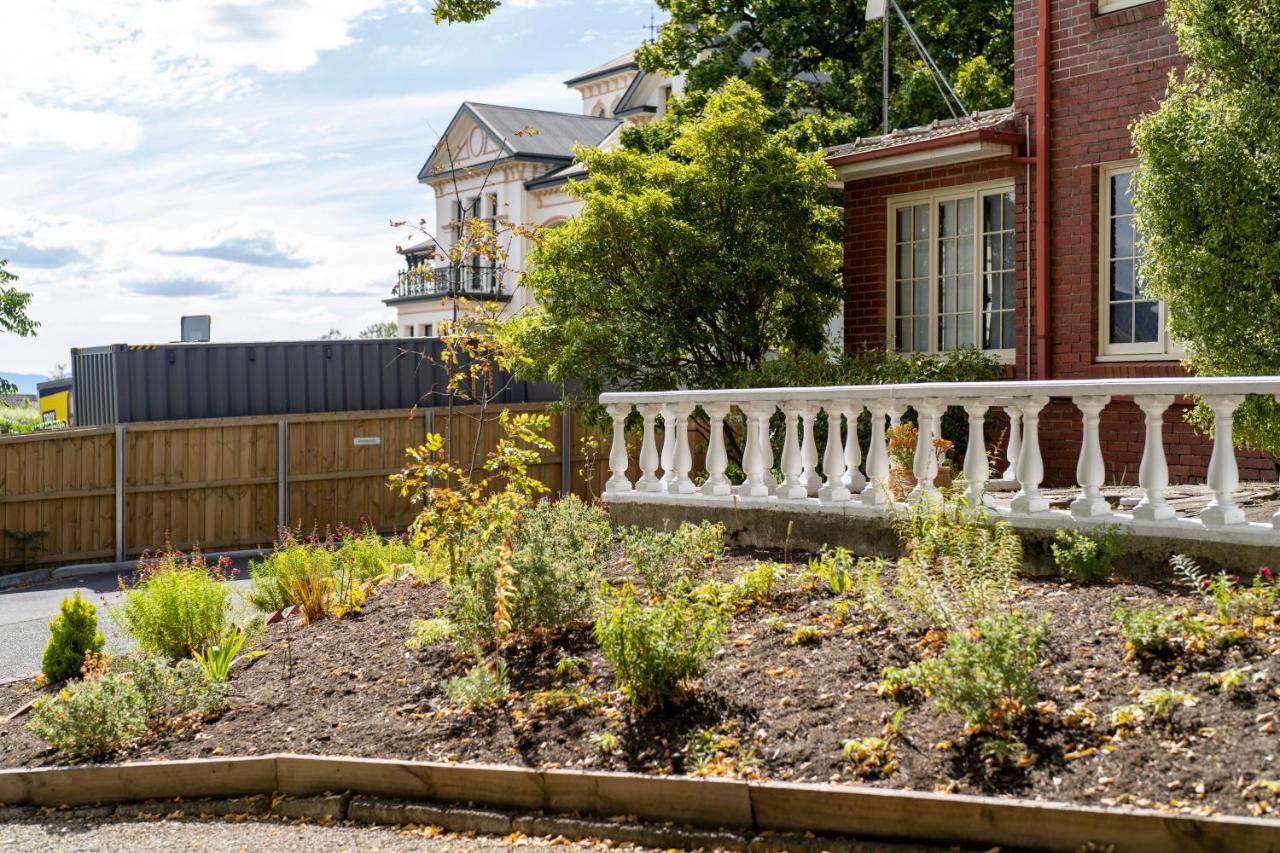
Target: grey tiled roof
(618, 63)
(1003, 119)
(556, 133)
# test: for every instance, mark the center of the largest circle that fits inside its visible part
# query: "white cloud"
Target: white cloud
(264, 158)
(145, 51)
(25, 125)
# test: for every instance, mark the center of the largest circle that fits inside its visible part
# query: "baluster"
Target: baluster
(925, 465)
(618, 461)
(766, 450)
(852, 479)
(1153, 473)
(1013, 447)
(977, 469)
(876, 491)
(717, 459)
(1090, 469)
(668, 446)
(833, 464)
(809, 450)
(682, 458)
(793, 486)
(1224, 476)
(753, 456)
(1030, 464)
(649, 458)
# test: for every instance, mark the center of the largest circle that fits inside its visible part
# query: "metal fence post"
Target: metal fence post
(566, 453)
(120, 484)
(282, 474)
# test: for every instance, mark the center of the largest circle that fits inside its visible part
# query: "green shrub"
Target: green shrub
(171, 689)
(176, 604)
(957, 567)
(1086, 557)
(91, 718)
(756, 585)
(987, 675)
(1157, 630)
(313, 577)
(657, 648)
(367, 556)
(1156, 704)
(846, 575)
(484, 684)
(428, 632)
(1232, 599)
(549, 575)
(19, 419)
(72, 632)
(664, 559)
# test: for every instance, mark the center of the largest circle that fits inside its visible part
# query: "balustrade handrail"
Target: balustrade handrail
(836, 478)
(1179, 386)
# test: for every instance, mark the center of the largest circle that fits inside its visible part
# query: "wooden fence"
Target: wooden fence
(107, 493)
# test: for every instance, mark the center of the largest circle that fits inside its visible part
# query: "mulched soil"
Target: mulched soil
(350, 687)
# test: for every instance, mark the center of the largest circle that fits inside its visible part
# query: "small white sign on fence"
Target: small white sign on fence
(368, 440)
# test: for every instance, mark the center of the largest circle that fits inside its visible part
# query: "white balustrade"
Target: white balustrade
(977, 468)
(809, 451)
(843, 461)
(618, 451)
(668, 455)
(1030, 463)
(1090, 468)
(1224, 475)
(834, 488)
(1153, 473)
(681, 458)
(852, 479)
(717, 457)
(876, 492)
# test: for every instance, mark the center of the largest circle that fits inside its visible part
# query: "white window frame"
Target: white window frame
(934, 198)
(1160, 350)
(1108, 6)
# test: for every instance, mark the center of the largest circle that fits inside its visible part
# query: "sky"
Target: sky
(244, 158)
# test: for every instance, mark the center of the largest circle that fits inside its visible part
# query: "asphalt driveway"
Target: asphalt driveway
(25, 615)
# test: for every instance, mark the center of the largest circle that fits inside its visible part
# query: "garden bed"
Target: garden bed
(767, 706)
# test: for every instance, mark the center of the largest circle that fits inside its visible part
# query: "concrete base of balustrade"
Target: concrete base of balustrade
(809, 525)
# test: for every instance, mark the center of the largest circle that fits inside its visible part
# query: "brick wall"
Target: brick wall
(866, 230)
(1106, 71)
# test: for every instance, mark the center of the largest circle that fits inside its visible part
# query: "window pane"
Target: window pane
(921, 333)
(1122, 322)
(904, 261)
(947, 219)
(921, 261)
(964, 216)
(947, 257)
(1122, 237)
(1121, 280)
(1121, 203)
(904, 335)
(991, 213)
(964, 257)
(1008, 212)
(1146, 321)
(903, 297)
(1008, 329)
(921, 301)
(904, 223)
(921, 214)
(1009, 296)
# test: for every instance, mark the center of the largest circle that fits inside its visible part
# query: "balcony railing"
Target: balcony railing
(483, 282)
(851, 481)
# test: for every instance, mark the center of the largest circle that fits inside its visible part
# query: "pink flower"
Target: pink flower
(1204, 584)
(1265, 572)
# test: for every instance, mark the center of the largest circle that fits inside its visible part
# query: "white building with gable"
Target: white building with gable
(511, 163)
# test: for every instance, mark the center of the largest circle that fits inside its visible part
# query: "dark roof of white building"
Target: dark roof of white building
(626, 62)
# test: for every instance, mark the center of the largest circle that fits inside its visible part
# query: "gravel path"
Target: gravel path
(111, 836)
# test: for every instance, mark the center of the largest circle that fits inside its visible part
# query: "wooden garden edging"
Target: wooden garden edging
(858, 812)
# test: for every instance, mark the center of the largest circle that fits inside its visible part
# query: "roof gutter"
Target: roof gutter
(1041, 214)
(1002, 137)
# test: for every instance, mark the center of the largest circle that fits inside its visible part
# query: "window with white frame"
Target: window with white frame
(951, 270)
(1133, 324)
(1105, 6)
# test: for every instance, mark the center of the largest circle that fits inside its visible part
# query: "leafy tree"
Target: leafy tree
(819, 63)
(688, 265)
(379, 330)
(1207, 196)
(13, 315)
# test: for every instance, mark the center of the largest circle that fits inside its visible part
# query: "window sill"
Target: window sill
(1137, 356)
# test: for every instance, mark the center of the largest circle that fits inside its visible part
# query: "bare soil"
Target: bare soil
(350, 687)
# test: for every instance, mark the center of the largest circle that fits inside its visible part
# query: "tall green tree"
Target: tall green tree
(688, 264)
(14, 319)
(818, 62)
(1208, 198)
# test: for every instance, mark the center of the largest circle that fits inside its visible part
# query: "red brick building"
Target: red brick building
(1013, 230)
